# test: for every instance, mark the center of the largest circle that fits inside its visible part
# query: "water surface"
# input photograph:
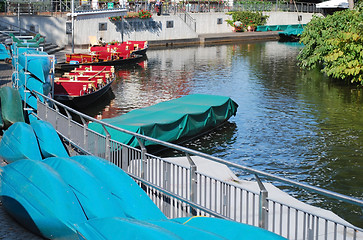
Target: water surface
(290, 122)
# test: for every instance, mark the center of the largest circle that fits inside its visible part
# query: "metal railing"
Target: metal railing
(182, 190)
(54, 6)
(17, 30)
(189, 20)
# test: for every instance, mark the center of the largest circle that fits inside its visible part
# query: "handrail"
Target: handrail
(20, 29)
(189, 20)
(321, 191)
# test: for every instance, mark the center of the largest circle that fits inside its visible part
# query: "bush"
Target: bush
(335, 45)
(247, 18)
(143, 14)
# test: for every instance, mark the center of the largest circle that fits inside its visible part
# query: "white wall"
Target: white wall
(287, 18)
(54, 28)
(154, 29)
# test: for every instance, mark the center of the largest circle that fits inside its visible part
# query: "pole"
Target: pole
(72, 7)
(19, 18)
(122, 29)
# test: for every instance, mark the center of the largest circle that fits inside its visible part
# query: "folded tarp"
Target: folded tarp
(173, 120)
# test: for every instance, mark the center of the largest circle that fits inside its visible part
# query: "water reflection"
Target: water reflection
(289, 122)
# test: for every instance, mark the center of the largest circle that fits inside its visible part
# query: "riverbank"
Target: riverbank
(215, 38)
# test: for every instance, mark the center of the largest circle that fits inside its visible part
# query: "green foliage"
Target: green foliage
(2, 6)
(247, 18)
(335, 44)
(255, 5)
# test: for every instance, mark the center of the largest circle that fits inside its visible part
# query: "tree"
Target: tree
(335, 44)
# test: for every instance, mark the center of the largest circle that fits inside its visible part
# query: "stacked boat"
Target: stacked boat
(85, 197)
(33, 72)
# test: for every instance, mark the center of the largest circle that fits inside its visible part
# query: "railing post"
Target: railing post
(263, 205)
(124, 159)
(69, 118)
(108, 145)
(85, 134)
(193, 181)
(167, 186)
(143, 158)
(56, 117)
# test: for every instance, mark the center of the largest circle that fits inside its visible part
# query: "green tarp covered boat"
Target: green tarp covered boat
(172, 121)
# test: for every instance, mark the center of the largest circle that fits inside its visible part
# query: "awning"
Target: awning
(333, 4)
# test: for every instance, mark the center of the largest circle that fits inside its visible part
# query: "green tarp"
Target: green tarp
(172, 120)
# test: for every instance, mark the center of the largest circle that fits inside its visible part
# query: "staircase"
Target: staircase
(7, 28)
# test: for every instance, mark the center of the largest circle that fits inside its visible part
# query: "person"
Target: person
(158, 7)
(101, 42)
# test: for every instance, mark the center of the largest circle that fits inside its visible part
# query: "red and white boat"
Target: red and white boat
(135, 47)
(83, 86)
(103, 56)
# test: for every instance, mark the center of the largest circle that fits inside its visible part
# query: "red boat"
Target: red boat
(83, 86)
(101, 59)
(135, 47)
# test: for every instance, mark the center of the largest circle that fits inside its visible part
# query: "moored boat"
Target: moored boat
(176, 120)
(136, 47)
(82, 87)
(102, 59)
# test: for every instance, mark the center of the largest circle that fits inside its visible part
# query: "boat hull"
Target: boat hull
(118, 62)
(84, 100)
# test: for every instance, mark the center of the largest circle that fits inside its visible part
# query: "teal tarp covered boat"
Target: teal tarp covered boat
(291, 33)
(19, 142)
(129, 196)
(49, 142)
(4, 52)
(37, 63)
(29, 82)
(173, 120)
(86, 197)
(36, 196)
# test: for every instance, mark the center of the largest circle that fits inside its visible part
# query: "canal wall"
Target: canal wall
(173, 28)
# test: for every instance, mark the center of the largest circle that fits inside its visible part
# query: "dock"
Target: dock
(219, 38)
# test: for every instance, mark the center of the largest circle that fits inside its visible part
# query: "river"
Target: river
(293, 123)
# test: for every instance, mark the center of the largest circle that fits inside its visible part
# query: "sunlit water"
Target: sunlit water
(289, 122)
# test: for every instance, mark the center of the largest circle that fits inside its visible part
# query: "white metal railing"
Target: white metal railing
(182, 190)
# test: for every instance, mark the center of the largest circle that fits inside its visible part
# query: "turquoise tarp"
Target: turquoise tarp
(279, 27)
(4, 53)
(172, 120)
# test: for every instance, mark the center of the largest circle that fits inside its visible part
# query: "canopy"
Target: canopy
(333, 4)
(172, 120)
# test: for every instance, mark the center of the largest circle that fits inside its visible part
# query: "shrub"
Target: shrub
(247, 18)
(335, 45)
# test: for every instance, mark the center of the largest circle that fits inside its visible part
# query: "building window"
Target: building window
(219, 20)
(102, 26)
(169, 24)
